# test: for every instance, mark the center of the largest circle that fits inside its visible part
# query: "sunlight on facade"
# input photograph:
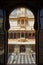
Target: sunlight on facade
(21, 37)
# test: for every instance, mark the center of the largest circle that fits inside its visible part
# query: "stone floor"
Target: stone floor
(21, 58)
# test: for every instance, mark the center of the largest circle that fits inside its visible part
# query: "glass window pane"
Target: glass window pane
(41, 18)
(1, 36)
(1, 20)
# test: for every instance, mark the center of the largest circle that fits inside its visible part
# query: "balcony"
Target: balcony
(21, 41)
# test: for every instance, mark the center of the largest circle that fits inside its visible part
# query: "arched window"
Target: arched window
(22, 25)
(41, 18)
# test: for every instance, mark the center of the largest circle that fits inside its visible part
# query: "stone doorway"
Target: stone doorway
(22, 48)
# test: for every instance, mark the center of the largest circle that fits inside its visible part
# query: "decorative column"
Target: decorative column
(16, 35)
(24, 34)
(25, 24)
(20, 21)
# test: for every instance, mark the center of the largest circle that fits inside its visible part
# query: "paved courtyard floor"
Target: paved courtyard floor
(20, 58)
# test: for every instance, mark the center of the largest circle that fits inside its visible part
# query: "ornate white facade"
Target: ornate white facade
(21, 30)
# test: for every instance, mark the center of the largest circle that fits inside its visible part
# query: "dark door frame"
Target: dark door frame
(21, 48)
